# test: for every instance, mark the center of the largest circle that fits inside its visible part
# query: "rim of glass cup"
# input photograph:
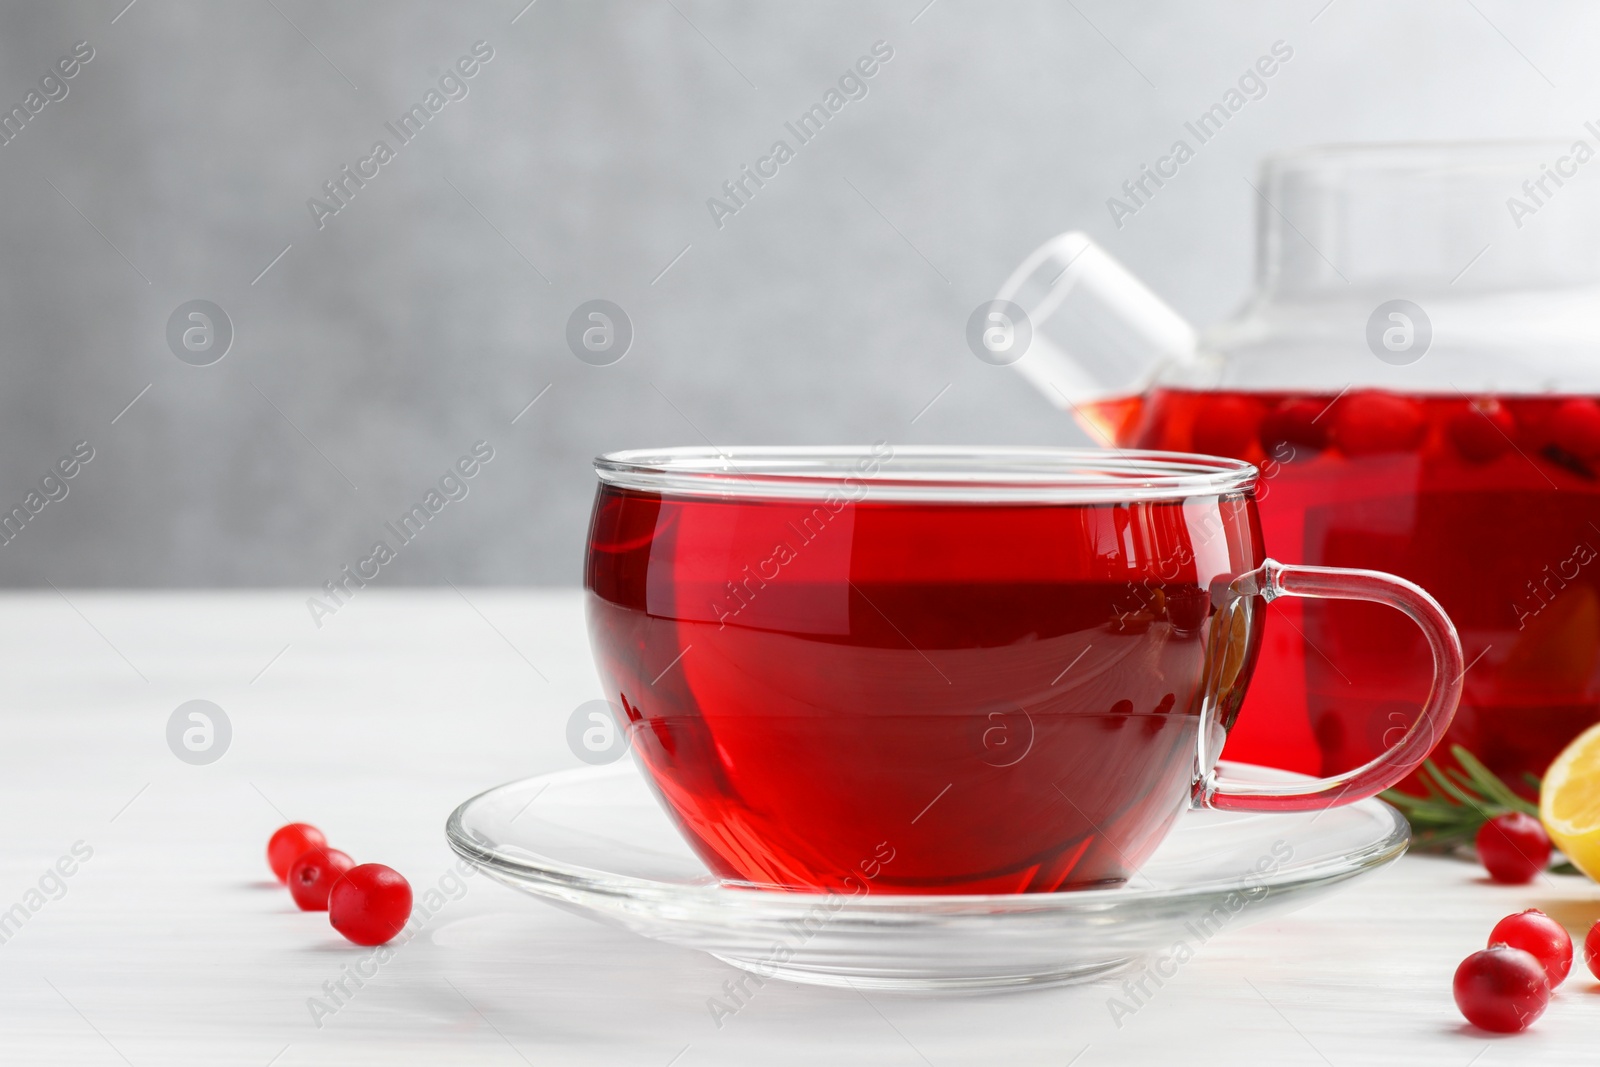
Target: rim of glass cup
(926, 472)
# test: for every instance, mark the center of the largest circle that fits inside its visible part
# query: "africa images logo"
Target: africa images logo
(852, 85)
(1537, 191)
(452, 487)
(53, 88)
(1251, 85)
(342, 187)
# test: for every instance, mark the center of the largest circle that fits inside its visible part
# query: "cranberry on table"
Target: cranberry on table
(1502, 989)
(291, 842)
(1542, 937)
(311, 877)
(369, 904)
(1513, 847)
(1591, 950)
(1482, 431)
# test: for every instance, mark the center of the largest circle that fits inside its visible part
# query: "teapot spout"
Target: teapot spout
(1097, 334)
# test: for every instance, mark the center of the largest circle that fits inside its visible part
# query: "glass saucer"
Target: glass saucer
(596, 842)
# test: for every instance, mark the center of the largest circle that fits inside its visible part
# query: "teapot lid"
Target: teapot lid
(1441, 217)
(1468, 267)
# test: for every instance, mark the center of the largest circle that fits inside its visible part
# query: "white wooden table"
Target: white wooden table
(172, 945)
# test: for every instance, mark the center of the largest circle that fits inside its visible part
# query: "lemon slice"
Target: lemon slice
(1569, 802)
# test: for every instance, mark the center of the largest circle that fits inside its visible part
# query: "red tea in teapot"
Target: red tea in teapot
(1492, 504)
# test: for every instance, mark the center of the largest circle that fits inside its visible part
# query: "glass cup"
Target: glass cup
(950, 670)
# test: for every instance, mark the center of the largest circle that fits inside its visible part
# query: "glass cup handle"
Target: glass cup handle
(1272, 580)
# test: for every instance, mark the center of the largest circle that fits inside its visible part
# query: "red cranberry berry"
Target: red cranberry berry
(1575, 428)
(1501, 989)
(1536, 933)
(291, 842)
(1226, 426)
(370, 903)
(1513, 847)
(311, 877)
(1372, 423)
(1482, 431)
(1591, 950)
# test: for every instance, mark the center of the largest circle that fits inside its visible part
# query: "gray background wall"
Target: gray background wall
(380, 347)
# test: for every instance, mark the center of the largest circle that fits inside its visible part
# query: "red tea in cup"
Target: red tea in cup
(942, 670)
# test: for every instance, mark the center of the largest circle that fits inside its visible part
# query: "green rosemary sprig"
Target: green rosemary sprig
(1457, 804)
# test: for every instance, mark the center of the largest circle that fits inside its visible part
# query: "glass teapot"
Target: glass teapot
(1416, 376)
